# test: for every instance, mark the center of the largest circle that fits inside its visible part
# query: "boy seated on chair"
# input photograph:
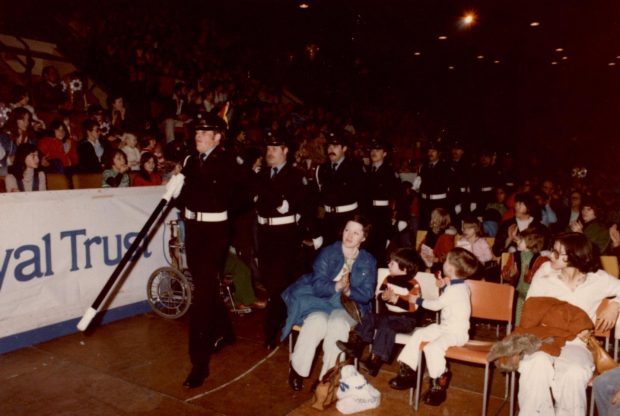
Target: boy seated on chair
(455, 306)
(395, 313)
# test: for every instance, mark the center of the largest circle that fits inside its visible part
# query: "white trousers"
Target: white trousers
(565, 376)
(439, 340)
(320, 326)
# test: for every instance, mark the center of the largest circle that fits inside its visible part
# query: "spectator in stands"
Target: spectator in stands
(521, 266)
(177, 111)
(120, 120)
(494, 212)
(129, 145)
(147, 176)
(97, 113)
(24, 175)
(591, 225)
(557, 385)
(315, 299)
(115, 176)
(91, 150)
(473, 241)
(439, 239)
(527, 216)
(58, 149)
(21, 98)
(575, 207)
(48, 94)
(17, 130)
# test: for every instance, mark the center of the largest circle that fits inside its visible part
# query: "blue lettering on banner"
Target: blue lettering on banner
(35, 260)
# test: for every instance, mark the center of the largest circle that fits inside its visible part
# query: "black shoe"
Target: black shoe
(406, 378)
(437, 393)
(221, 342)
(271, 343)
(196, 377)
(295, 380)
(372, 365)
(354, 347)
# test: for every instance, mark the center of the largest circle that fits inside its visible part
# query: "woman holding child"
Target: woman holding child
(314, 300)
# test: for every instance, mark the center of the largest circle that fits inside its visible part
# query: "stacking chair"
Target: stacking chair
(420, 235)
(489, 301)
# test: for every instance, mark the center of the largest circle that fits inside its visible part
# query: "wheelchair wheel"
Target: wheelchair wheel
(169, 292)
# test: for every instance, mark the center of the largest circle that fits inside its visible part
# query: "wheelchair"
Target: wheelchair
(169, 289)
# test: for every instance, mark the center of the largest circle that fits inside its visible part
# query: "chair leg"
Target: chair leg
(418, 386)
(591, 411)
(485, 393)
(513, 380)
(290, 347)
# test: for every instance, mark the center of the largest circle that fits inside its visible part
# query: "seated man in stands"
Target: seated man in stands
(48, 94)
(91, 150)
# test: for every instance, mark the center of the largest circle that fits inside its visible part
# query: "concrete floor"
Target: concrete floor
(136, 367)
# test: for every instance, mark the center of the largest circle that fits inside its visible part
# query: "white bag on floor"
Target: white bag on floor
(354, 393)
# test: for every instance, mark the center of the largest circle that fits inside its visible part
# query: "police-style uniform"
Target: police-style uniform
(210, 192)
(340, 189)
(282, 206)
(435, 188)
(382, 203)
(484, 179)
(460, 187)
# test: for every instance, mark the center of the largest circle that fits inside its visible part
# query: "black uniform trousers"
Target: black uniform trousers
(278, 255)
(381, 220)
(206, 247)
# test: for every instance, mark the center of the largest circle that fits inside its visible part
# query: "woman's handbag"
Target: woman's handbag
(351, 307)
(509, 272)
(602, 360)
(325, 393)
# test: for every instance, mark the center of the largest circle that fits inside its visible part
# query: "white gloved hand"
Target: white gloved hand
(317, 242)
(417, 182)
(174, 186)
(283, 209)
(401, 225)
(458, 208)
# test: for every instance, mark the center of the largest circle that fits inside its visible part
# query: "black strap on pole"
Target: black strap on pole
(120, 266)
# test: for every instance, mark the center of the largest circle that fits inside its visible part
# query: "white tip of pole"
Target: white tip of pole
(85, 321)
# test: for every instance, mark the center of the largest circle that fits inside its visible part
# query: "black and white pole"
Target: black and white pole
(173, 188)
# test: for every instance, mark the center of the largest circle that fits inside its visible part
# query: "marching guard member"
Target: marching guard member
(484, 179)
(383, 201)
(282, 201)
(436, 177)
(460, 182)
(213, 188)
(340, 184)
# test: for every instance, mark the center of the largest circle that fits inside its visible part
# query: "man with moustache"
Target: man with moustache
(213, 186)
(282, 205)
(340, 184)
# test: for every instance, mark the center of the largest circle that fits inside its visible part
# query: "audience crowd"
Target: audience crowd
(160, 77)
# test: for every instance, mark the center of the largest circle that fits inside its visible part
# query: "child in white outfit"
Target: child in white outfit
(455, 306)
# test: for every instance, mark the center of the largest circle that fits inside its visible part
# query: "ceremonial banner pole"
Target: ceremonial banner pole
(173, 189)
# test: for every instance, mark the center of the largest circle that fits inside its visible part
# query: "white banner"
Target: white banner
(58, 248)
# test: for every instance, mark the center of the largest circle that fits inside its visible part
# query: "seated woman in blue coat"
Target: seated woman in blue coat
(313, 301)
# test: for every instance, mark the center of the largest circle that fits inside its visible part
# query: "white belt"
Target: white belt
(434, 196)
(486, 189)
(341, 208)
(380, 203)
(206, 216)
(509, 184)
(289, 219)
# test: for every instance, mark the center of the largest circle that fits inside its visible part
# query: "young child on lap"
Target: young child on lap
(394, 315)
